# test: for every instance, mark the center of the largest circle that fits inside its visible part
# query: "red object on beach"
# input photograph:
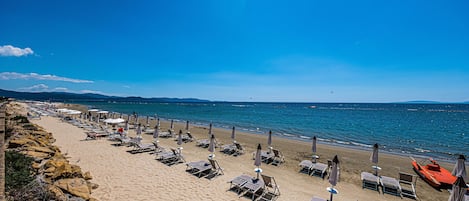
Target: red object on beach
(434, 174)
(120, 130)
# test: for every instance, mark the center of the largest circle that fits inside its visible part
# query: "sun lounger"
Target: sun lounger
(198, 168)
(239, 149)
(408, 183)
(318, 199)
(166, 134)
(170, 158)
(278, 157)
(237, 183)
(202, 143)
(369, 181)
(306, 166)
(271, 189)
(141, 148)
(95, 135)
(390, 185)
(127, 141)
(245, 184)
(228, 148)
(319, 169)
(216, 169)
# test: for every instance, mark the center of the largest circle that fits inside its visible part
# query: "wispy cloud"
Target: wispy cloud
(35, 76)
(9, 50)
(37, 88)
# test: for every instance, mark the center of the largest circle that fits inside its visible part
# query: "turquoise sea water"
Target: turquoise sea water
(434, 130)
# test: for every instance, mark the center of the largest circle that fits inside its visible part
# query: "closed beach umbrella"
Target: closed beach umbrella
(460, 167)
(374, 158)
(148, 120)
(233, 134)
(459, 190)
(257, 160)
(334, 177)
(128, 118)
(136, 118)
(211, 146)
(269, 139)
(180, 138)
(156, 133)
(126, 126)
(139, 131)
(187, 125)
(313, 148)
(155, 136)
(172, 125)
(210, 129)
(158, 122)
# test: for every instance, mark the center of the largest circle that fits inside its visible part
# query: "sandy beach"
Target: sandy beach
(125, 176)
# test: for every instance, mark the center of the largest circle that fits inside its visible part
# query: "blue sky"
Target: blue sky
(299, 51)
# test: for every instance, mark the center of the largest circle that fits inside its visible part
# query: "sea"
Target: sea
(428, 130)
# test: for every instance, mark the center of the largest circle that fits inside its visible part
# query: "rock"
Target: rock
(57, 192)
(37, 155)
(67, 171)
(14, 143)
(40, 149)
(76, 186)
(36, 165)
(87, 176)
(92, 186)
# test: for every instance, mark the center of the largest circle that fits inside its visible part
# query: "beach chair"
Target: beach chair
(239, 149)
(271, 189)
(278, 157)
(166, 134)
(216, 169)
(158, 148)
(319, 169)
(141, 148)
(306, 166)
(188, 137)
(390, 185)
(237, 183)
(202, 143)
(369, 181)
(198, 168)
(175, 158)
(228, 148)
(408, 182)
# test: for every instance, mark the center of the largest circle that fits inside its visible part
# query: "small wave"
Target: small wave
(241, 105)
(422, 150)
(412, 109)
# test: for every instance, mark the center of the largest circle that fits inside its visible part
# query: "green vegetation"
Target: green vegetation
(18, 170)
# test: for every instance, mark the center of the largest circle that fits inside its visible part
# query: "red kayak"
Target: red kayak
(434, 174)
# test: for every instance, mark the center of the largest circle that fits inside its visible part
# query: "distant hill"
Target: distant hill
(64, 96)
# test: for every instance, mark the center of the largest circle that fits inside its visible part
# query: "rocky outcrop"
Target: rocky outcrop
(65, 181)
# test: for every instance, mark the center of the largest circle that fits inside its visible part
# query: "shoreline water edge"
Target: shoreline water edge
(422, 144)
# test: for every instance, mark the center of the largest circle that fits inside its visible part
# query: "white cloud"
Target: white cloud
(35, 76)
(37, 87)
(86, 91)
(8, 50)
(126, 86)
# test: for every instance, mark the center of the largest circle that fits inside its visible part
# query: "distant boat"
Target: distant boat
(312, 107)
